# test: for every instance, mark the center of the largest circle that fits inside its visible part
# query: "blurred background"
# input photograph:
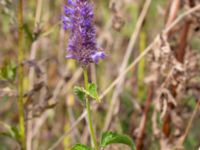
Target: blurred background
(153, 104)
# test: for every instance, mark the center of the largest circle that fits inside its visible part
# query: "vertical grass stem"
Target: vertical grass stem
(21, 76)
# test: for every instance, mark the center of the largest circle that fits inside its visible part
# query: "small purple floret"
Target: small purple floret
(98, 55)
(82, 40)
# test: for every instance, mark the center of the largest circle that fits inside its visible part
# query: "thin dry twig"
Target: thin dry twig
(31, 75)
(143, 121)
(129, 50)
(173, 12)
(189, 125)
(181, 17)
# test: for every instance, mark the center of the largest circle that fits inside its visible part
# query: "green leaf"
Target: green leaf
(8, 70)
(11, 132)
(92, 89)
(80, 147)
(79, 92)
(113, 138)
(28, 32)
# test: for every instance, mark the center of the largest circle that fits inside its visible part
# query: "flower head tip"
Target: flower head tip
(82, 45)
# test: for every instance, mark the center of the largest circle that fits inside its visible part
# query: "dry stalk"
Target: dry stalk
(140, 136)
(189, 125)
(31, 76)
(129, 50)
(180, 53)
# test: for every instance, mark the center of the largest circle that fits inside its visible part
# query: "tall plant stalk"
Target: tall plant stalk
(21, 76)
(141, 66)
(93, 137)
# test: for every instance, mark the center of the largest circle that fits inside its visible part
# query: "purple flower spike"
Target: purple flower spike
(82, 40)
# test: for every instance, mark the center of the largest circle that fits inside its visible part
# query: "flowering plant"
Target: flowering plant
(82, 47)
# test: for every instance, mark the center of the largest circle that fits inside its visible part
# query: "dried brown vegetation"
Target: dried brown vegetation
(149, 84)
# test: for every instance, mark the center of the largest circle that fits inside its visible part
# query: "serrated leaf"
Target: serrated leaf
(113, 138)
(79, 92)
(92, 89)
(80, 147)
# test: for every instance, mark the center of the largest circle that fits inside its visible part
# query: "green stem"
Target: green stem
(21, 76)
(89, 113)
(141, 66)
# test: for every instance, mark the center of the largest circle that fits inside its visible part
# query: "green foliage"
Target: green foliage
(80, 147)
(130, 20)
(191, 141)
(5, 98)
(92, 90)
(81, 92)
(8, 70)
(190, 101)
(11, 132)
(127, 108)
(28, 32)
(113, 138)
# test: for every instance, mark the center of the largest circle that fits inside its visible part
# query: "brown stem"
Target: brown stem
(143, 121)
(171, 17)
(191, 3)
(183, 38)
(180, 53)
(166, 124)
